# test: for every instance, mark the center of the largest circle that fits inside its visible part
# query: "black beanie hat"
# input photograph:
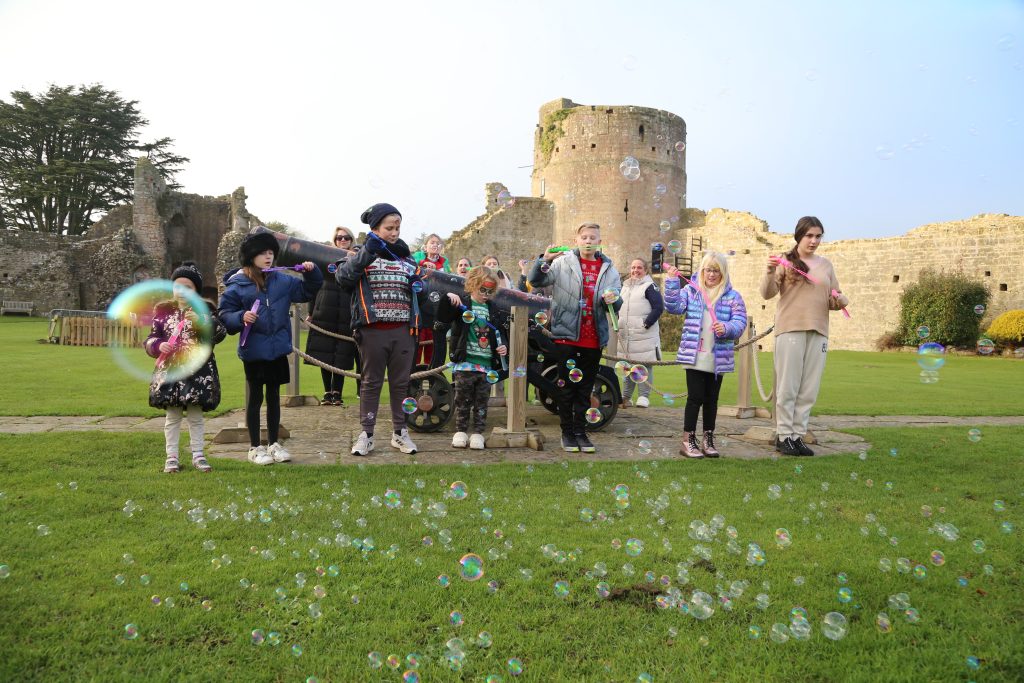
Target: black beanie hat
(376, 213)
(188, 269)
(255, 244)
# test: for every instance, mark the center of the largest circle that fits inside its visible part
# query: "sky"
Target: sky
(875, 116)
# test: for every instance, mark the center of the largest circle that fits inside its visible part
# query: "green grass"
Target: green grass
(66, 380)
(65, 614)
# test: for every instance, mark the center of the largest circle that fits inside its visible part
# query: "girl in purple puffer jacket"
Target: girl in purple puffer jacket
(715, 317)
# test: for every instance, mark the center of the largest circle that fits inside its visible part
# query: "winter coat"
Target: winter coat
(351, 276)
(202, 387)
(452, 315)
(729, 310)
(332, 310)
(271, 334)
(565, 278)
(639, 332)
(420, 256)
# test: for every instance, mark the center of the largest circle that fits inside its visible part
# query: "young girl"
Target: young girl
(429, 257)
(200, 391)
(265, 350)
(476, 352)
(386, 320)
(715, 317)
(503, 279)
(801, 330)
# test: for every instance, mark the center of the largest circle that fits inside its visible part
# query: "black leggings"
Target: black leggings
(702, 389)
(252, 411)
(332, 382)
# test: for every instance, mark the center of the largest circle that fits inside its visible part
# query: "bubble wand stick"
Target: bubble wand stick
(786, 263)
(248, 326)
(611, 310)
(836, 295)
(173, 341)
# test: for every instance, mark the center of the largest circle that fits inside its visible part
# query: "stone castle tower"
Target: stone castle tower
(578, 150)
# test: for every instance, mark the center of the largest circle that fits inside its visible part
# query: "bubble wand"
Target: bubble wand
(248, 326)
(173, 342)
(786, 263)
(704, 296)
(497, 334)
(298, 268)
(836, 295)
(611, 309)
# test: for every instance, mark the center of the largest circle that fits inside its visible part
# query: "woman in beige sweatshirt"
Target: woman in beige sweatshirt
(801, 330)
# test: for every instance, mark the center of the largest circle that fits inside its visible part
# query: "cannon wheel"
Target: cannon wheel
(605, 397)
(440, 390)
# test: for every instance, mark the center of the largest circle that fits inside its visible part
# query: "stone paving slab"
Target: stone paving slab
(323, 435)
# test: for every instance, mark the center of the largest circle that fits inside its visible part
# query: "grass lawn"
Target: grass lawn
(66, 614)
(66, 380)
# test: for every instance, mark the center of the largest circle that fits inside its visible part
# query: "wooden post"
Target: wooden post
(744, 366)
(293, 358)
(515, 434)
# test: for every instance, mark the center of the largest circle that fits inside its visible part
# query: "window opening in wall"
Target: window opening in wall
(593, 145)
(988, 273)
(641, 132)
(762, 307)
(895, 278)
(1002, 287)
(574, 146)
(556, 150)
(653, 149)
(625, 209)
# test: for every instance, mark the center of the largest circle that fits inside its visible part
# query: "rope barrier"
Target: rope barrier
(355, 375)
(340, 336)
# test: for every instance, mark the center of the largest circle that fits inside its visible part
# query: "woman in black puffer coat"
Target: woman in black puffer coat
(332, 310)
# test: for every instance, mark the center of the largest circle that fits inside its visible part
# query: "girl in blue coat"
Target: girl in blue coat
(715, 317)
(264, 351)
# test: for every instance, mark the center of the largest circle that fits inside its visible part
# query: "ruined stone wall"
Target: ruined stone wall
(522, 229)
(577, 152)
(193, 227)
(874, 272)
(149, 189)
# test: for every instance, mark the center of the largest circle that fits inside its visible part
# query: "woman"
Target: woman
(808, 289)
(463, 266)
(492, 263)
(332, 311)
(639, 332)
(715, 317)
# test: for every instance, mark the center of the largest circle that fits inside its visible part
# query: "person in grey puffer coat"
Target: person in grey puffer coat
(715, 317)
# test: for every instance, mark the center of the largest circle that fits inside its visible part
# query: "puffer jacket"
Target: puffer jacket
(271, 334)
(332, 310)
(730, 311)
(639, 332)
(202, 387)
(565, 278)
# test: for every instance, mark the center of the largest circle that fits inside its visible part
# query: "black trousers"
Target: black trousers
(702, 389)
(574, 397)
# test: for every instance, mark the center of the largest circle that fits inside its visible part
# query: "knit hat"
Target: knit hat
(255, 244)
(189, 270)
(376, 213)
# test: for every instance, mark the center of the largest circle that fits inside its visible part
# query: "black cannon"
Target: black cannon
(434, 394)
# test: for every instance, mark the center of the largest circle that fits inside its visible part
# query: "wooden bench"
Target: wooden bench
(26, 307)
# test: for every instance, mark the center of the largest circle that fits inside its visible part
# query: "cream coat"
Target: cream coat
(635, 342)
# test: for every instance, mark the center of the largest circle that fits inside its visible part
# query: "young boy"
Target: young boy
(583, 284)
(476, 352)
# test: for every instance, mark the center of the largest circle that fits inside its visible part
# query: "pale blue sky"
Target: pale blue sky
(875, 116)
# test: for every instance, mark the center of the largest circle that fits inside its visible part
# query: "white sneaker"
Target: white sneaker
(460, 440)
(402, 442)
(476, 442)
(643, 402)
(278, 453)
(258, 456)
(363, 445)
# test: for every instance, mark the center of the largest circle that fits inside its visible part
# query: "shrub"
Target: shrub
(888, 341)
(1007, 328)
(944, 302)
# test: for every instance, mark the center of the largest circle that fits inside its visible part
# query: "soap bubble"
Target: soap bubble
(492, 376)
(392, 499)
(664, 227)
(978, 546)
(519, 371)
(638, 373)
(43, 530)
(644, 446)
(541, 318)
(593, 415)
(505, 198)
(515, 666)
(603, 590)
(833, 626)
(986, 346)
(375, 660)
(774, 492)
(680, 146)
(782, 538)
(468, 316)
(634, 546)
(131, 631)
(458, 490)
(674, 246)
(472, 567)
(455, 618)
(296, 650)
(938, 558)
(661, 189)
(974, 435)
(409, 405)
(702, 605)
(923, 332)
(443, 581)
(931, 356)
(562, 589)
(979, 309)
(845, 594)
(575, 375)
(999, 506)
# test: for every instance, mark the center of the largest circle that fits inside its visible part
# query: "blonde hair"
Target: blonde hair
(476, 277)
(433, 236)
(339, 229)
(592, 226)
(716, 292)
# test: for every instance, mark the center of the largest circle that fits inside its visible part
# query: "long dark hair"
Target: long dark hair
(802, 226)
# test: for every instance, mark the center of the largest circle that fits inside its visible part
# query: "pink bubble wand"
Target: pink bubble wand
(173, 341)
(248, 326)
(786, 263)
(835, 294)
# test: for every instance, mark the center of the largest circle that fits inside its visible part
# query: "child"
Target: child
(430, 257)
(199, 391)
(476, 352)
(386, 321)
(265, 351)
(715, 317)
(583, 284)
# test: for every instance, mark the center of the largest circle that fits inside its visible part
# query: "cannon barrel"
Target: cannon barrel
(295, 250)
